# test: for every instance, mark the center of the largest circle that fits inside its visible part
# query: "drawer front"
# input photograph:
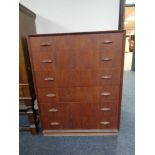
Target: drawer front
(108, 93)
(111, 41)
(72, 109)
(85, 41)
(106, 123)
(85, 123)
(42, 43)
(46, 78)
(79, 94)
(48, 95)
(43, 60)
(77, 78)
(107, 109)
(110, 59)
(109, 76)
(80, 60)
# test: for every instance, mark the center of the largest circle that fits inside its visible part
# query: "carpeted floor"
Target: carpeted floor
(123, 144)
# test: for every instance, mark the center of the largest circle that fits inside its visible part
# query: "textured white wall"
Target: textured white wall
(54, 16)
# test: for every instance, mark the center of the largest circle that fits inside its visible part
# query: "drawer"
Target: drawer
(85, 123)
(108, 92)
(107, 109)
(79, 94)
(72, 78)
(110, 59)
(108, 76)
(42, 43)
(111, 41)
(48, 95)
(43, 60)
(46, 78)
(106, 123)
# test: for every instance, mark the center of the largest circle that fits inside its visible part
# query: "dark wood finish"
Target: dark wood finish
(26, 88)
(78, 79)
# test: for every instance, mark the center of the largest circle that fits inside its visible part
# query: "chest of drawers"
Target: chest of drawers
(78, 81)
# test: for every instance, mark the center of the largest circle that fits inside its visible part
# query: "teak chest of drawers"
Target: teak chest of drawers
(78, 81)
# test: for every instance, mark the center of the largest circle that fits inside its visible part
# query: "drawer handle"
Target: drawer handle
(105, 94)
(105, 59)
(105, 123)
(106, 77)
(49, 79)
(50, 95)
(105, 109)
(45, 44)
(54, 123)
(107, 42)
(53, 110)
(47, 61)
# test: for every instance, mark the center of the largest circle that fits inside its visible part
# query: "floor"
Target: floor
(123, 144)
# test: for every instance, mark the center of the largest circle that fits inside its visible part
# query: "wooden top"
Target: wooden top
(77, 33)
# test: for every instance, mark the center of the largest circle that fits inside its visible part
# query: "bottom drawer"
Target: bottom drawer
(83, 123)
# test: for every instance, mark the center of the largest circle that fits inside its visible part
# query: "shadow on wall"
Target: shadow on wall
(43, 25)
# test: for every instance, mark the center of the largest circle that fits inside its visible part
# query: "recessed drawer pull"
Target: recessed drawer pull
(106, 77)
(50, 95)
(49, 79)
(105, 123)
(107, 42)
(105, 109)
(54, 123)
(53, 110)
(105, 59)
(45, 44)
(105, 94)
(47, 61)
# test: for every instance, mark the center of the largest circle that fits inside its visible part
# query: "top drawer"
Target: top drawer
(113, 41)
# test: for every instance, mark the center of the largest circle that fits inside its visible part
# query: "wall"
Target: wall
(54, 16)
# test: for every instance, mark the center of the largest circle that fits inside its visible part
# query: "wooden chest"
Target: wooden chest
(78, 81)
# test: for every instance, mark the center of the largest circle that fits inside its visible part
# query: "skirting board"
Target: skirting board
(80, 132)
